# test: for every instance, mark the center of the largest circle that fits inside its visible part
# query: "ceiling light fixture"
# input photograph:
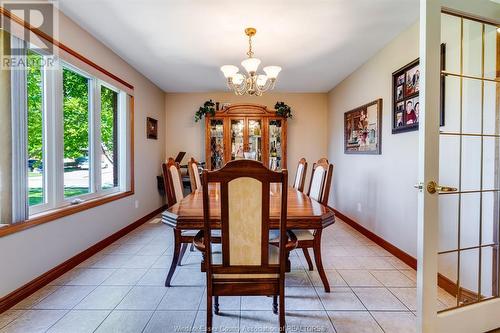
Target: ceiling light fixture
(252, 83)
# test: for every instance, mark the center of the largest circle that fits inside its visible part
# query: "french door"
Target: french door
(459, 168)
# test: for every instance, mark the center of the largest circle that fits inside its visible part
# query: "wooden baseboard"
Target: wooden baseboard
(29, 288)
(443, 282)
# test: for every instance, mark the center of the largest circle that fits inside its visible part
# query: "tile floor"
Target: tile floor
(121, 289)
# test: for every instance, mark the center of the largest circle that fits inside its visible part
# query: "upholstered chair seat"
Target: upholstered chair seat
(304, 234)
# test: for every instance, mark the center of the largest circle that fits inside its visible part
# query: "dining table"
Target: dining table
(302, 213)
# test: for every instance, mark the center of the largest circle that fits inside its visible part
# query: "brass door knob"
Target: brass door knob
(433, 187)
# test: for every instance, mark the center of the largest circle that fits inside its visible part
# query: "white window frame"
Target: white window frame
(53, 141)
(91, 137)
(121, 110)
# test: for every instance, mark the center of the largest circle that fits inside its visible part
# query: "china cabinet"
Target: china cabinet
(245, 131)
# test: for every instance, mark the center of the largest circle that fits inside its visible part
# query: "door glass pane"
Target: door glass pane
(275, 137)
(254, 140)
(488, 287)
(237, 143)
(35, 124)
(471, 48)
(469, 160)
(216, 143)
(471, 106)
(77, 163)
(109, 138)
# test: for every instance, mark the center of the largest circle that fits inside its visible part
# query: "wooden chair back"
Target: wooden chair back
(194, 175)
(321, 179)
(245, 211)
(172, 180)
(300, 176)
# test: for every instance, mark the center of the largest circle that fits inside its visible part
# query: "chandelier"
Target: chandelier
(252, 83)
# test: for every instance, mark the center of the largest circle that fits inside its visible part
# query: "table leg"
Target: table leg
(317, 259)
(175, 257)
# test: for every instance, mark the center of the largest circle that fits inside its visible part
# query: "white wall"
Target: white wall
(30, 253)
(306, 132)
(377, 190)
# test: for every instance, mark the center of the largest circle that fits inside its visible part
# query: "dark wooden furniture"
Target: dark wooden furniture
(174, 190)
(248, 265)
(303, 213)
(194, 174)
(245, 131)
(319, 190)
(300, 175)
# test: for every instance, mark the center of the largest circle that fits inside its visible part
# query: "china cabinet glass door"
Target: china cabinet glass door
(254, 145)
(275, 148)
(237, 128)
(217, 159)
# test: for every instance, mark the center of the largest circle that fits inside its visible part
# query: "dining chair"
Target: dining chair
(194, 175)
(248, 264)
(300, 176)
(173, 189)
(319, 190)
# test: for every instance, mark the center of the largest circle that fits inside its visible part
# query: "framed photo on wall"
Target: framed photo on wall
(405, 96)
(363, 129)
(405, 103)
(151, 128)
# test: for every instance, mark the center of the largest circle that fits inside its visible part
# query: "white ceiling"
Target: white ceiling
(180, 44)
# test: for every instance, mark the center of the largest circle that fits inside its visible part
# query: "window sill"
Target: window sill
(58, 213)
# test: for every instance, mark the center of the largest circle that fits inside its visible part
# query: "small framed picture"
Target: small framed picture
(399, 92)
(399, 115)
(412, 80)
(399, 120)
(412, 108)
(151, 128)
(401, 79)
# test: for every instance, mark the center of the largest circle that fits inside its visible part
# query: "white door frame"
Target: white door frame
(479, 317)
(428, 204)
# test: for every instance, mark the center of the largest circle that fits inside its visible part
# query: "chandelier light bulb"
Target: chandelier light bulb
(272, 71)
(238, 79)
(251, 65)
(229, 71)
(261, 80)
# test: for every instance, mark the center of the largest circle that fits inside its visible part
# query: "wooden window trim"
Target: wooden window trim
(58, 213)
(62, 46)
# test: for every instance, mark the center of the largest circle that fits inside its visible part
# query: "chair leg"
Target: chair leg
(308, 258)
(275, 304)
(181, 255)
(208, 326)
(319, 263)
(282, 306)
(175, 258)
(216, 305)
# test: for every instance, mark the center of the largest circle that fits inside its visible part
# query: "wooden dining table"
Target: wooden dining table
(302, 213)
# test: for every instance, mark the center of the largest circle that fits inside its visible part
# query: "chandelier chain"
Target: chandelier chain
(250, 52)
